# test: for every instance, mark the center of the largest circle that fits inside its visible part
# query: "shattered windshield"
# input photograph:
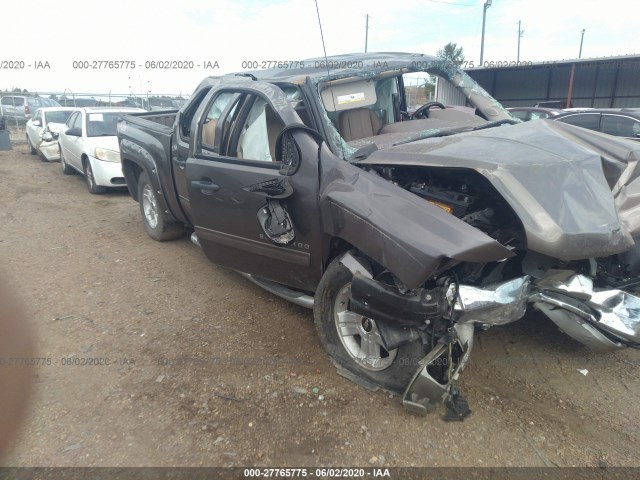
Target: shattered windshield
(425, 99)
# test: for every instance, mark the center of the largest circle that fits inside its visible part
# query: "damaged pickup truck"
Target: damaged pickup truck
(404, 233)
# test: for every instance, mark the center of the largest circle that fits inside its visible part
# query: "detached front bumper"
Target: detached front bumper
(601, 320)
(50, 150)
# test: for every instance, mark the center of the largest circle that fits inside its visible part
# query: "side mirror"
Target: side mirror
(37, 123)
(287, 152)
(74, 132)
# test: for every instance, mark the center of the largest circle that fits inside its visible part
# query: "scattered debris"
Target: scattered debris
(75, 446)
(583, 371)
(228, 397)
(160, 379)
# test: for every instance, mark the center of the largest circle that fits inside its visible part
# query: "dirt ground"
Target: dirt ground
(206, 369)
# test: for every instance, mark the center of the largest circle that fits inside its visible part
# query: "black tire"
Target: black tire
(328, 299)
(163, 228)
(32, 150)
(66, 169)
(90, 179)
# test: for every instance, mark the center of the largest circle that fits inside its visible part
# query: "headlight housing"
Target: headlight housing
(107, 155)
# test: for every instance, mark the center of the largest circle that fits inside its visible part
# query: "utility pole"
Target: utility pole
(366, 34)
(487, 4)
(581, 40)
(520, 34)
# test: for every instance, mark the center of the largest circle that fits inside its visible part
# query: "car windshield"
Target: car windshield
(371, 107)
(56, 117)
(102, 124)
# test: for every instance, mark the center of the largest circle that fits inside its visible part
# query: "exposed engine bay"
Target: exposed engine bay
(591, 300)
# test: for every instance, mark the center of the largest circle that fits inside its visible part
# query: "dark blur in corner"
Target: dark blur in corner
(16, 348)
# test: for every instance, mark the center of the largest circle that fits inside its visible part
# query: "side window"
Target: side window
(259, 132)
(538, 115)
(584, 120)
(210, 123)
(522, 115)
(620, 126)
(71, 119)
(76, 122)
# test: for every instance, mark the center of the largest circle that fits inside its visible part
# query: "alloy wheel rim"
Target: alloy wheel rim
(150, 206)
(360, 336)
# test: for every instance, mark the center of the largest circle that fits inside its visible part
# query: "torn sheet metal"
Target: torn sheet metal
(430, 386)
(496, 304)
(593, 317)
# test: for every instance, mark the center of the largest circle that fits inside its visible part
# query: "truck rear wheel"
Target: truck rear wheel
(156, 222)
(353, 341)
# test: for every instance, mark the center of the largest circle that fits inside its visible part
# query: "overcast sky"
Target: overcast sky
(232, 31)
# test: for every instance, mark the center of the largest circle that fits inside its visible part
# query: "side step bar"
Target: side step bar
(293, 296)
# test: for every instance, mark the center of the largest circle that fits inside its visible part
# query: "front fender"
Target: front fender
(409, 236)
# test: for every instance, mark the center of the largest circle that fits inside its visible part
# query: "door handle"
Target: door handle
(207, 187)
(181, 163)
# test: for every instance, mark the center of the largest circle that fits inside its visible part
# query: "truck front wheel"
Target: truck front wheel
(353, 341)
(157, 223)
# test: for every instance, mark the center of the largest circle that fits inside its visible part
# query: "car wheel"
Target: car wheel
(66, 169)
(32, 150)
(157, 223)
(353, 341)
(91, 180)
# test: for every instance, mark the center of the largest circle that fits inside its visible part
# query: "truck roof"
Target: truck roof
(340, 66)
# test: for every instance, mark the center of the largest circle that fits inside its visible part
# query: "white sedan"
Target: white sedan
(89, 145)
(43, 129)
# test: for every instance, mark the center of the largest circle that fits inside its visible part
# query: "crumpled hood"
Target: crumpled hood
(576, 191)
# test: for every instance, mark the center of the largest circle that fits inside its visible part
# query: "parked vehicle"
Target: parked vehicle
(620, 122)
(19, 108)
(559, 104)
(533, 113)
(401, 234)
(42, 131)
(88, 145)
(79, 102)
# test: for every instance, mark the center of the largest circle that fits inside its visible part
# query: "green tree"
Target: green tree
(453, 52)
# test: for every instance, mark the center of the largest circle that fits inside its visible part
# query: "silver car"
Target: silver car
(42, 131)
(20, 108)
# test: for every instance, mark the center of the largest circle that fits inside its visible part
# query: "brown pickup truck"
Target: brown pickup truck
(404, 233)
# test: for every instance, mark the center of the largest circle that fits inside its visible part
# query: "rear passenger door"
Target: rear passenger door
(233, 164)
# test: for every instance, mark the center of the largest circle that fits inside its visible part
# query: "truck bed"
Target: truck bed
(145, 140)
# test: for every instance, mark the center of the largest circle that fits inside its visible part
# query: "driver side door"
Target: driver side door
(230, 178)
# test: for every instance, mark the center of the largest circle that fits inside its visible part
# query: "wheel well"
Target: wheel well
(84, 159)
(131, 173)
(338, 247)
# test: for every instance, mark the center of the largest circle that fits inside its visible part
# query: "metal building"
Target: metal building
(594, 82)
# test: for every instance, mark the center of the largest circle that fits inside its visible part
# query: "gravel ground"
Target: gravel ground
(206, 369)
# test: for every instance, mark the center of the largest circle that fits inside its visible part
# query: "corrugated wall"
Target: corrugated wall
(596, 83)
